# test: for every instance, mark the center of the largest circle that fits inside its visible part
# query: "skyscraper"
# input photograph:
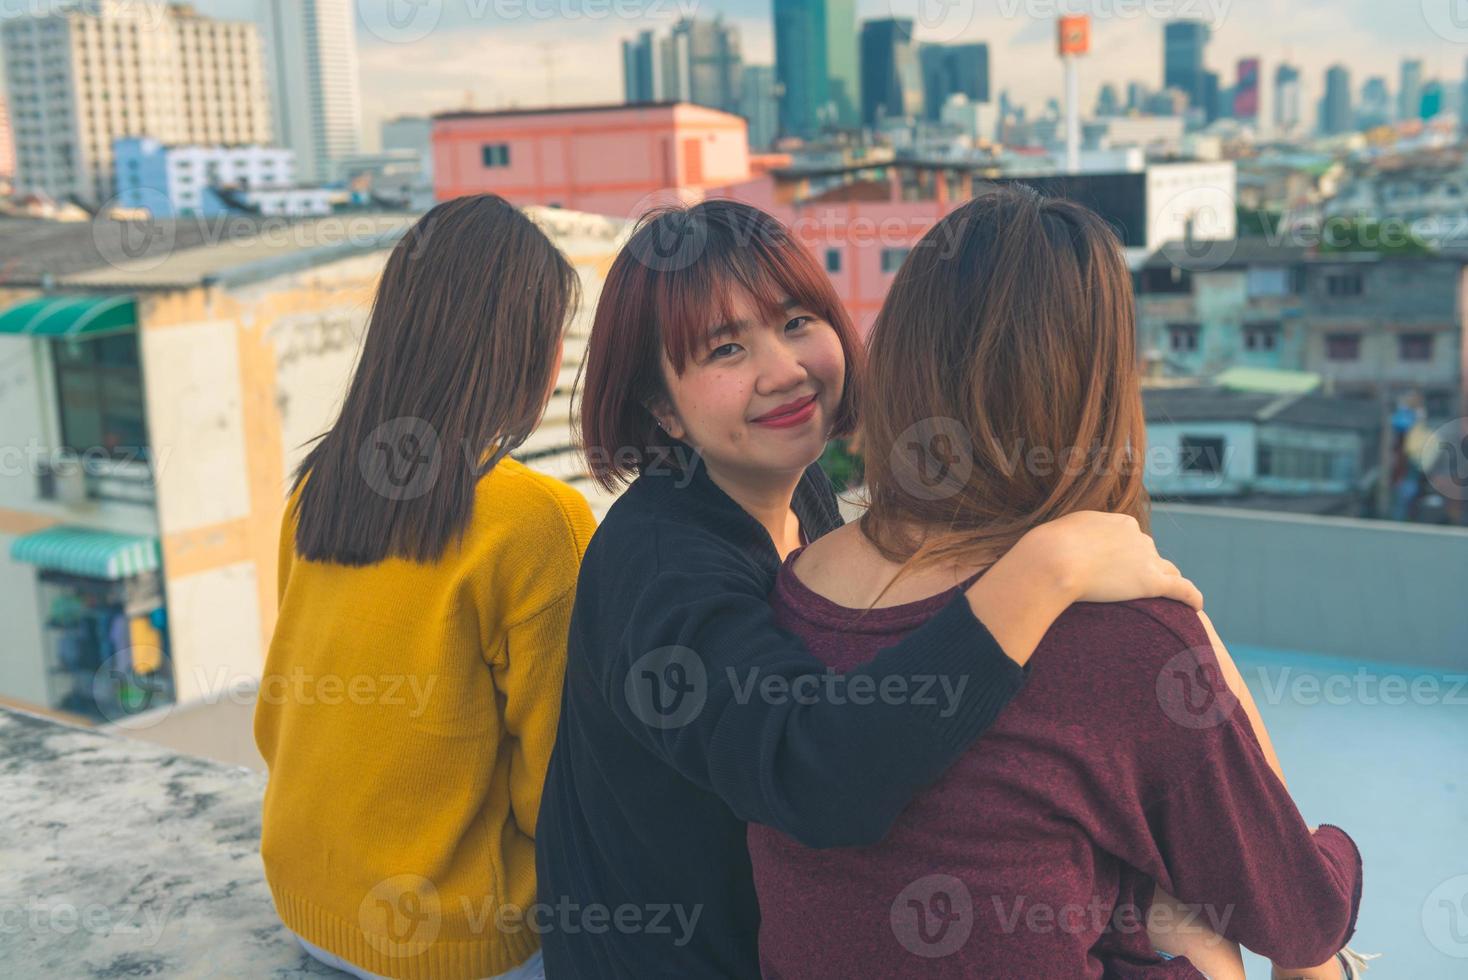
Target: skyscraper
(1335, 107)
(1183, 46)
(891, 76)
(702, 63)
(801, 66)
(1433, 97)
(758, 105)
(1376, 106)
(125, 71)
(1136, 96)
(316, 92)
(640, 66)
(1286, 98)
(1246, 91)
(843, 69)
(1409, 96)
(950, 69)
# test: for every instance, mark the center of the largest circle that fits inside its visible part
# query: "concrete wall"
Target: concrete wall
(1371, 590)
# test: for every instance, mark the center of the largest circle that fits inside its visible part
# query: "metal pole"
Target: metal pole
(1072, 116)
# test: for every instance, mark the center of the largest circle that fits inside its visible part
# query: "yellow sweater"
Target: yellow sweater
(407, 713)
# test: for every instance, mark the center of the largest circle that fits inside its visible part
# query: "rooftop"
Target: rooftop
(172, 253)
(569, 109)
(1215, 403)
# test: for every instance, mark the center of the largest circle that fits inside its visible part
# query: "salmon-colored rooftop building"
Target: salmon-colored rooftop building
(602, 159)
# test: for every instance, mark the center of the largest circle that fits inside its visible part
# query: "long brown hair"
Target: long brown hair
(679, 273)
(454, 373)
(1005, 352)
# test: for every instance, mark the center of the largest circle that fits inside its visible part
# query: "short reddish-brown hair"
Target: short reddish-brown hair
(680, 274)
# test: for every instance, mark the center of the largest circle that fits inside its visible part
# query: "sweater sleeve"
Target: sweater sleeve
(531, 668)
(700, 673)
(1225, 834)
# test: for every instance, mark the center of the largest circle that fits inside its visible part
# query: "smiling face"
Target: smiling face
(759, 399)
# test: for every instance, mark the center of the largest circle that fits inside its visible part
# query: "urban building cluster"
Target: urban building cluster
(190, 231)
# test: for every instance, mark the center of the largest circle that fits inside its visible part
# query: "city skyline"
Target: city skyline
(473, 58)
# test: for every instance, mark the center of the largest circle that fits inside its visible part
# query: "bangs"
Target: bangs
(753, 260)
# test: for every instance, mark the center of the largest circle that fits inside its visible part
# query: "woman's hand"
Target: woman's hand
(1083, 557)
(1106, 558)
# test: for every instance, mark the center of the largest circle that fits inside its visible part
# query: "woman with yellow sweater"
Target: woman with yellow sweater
(410, 698)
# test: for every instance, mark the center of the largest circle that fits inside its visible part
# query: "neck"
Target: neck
(765, 497)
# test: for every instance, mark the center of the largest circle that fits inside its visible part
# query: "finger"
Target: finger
(1183, 590)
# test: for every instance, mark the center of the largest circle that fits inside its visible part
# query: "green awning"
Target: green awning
(92, 554)
(70, 316)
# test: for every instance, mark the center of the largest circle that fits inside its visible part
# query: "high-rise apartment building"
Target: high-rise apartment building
(316, 92)
(86, 73)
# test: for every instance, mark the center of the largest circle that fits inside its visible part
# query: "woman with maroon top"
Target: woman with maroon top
(1133, 760)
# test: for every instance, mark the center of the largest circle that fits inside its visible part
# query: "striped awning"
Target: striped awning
(70, 316)
(88, 553)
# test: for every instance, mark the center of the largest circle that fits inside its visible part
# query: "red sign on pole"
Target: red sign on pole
(1075, 35)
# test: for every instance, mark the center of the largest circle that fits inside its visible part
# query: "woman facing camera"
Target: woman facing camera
(1131, 762)
(720, 363)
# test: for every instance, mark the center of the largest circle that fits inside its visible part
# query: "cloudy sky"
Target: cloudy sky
(420, 56)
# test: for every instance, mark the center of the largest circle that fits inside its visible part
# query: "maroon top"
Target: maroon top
(1124, 761)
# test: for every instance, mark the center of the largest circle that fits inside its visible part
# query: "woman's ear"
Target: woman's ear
(665, 416)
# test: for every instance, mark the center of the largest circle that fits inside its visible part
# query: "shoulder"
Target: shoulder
(1140, 661)
(514, 496)
(525, 543)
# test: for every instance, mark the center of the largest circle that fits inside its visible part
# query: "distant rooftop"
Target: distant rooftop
(1213, 403)
(567, 109)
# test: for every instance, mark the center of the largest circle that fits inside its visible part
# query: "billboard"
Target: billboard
(1074, 35)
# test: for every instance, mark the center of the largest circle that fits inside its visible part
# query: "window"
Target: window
(1268, 280)
(833, 260)
(1201, 454)
(892, 258)
(1343, 284)
(1343, 347)
(100, 390)
(1164, 280)
(497, 154)
(1261, 336)
(1183, 336)
(1414, 346)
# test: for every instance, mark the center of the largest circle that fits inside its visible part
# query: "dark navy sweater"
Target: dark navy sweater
(687, 712)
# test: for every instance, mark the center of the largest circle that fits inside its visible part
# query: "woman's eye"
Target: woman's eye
(724, 350)
(798, 322)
